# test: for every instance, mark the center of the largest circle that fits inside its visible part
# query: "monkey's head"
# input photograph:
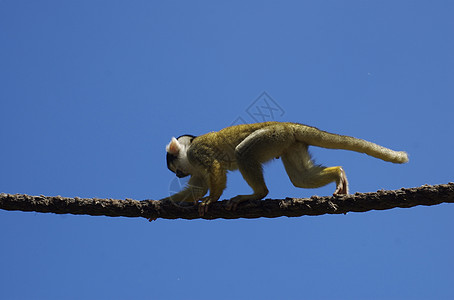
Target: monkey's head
(177, 160)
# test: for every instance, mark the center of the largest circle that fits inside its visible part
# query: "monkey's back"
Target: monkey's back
(233, 135)
(224, 142)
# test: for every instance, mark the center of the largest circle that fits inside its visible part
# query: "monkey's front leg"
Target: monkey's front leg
(217, 182)
(196, 188)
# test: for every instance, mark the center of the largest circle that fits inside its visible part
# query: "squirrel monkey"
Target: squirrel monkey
(208, 157)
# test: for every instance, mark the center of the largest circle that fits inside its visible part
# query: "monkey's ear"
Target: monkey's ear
(173, 147)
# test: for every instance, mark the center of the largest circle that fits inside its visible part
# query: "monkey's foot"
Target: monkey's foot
(233, 203)
(203, 206)
(342, 184)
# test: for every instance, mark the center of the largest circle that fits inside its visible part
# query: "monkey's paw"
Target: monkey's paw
(203, 206)
(233, 203)
(342, 184)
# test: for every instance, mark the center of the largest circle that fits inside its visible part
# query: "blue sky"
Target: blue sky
(92, 91)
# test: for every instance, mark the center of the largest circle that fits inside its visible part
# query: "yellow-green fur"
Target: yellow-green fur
(246, 147)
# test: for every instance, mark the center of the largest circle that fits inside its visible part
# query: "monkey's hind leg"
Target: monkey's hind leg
(253, 175)
(259, 147)
(304, 174)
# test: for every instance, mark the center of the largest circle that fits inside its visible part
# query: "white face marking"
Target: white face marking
(181, 165)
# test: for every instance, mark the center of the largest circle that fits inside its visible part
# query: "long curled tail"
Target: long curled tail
(313, 136)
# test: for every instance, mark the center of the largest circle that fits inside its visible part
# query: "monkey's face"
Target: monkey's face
(177, 160)
(174, 165)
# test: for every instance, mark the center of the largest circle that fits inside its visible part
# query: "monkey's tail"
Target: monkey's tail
(319, 138)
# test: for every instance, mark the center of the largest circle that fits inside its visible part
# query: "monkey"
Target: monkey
(208, 158)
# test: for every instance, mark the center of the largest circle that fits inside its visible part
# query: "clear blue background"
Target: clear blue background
(92, 91)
